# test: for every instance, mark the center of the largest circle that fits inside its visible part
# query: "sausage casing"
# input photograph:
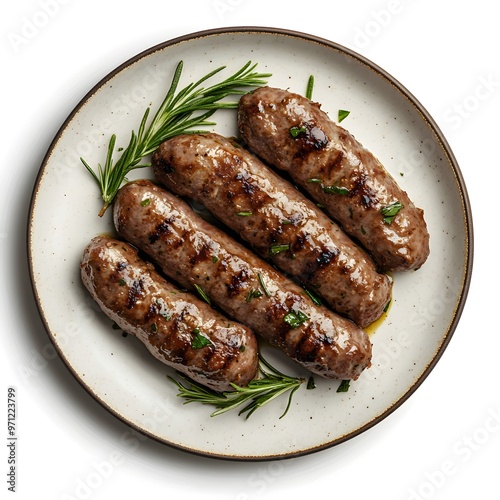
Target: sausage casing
(178, 329)
(278, 221)
(199, 256)
(295, 135)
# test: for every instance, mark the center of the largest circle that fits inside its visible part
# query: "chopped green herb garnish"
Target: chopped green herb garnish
(199, 341)
(310, 383)
(154, 327)
(390, 211)
(253, 294)
(122, 282)
(295, 319)
(296, 131)
(363, 230)
(386, 308)
(343, 114)
(286, 222)
(263, 285)
(310, 86)
(146, 202)
(314, 181)
(276, 249)
(344, 386)
(336, 190)
(203, 295)
(244, 214)
(313, 297)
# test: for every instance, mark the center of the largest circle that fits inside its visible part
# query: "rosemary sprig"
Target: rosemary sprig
(258, 393)
(186, 111)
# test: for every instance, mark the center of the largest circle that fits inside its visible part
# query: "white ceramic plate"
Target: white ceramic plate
(120, 374)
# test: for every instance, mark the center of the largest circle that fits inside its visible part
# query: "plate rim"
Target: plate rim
(415, 103)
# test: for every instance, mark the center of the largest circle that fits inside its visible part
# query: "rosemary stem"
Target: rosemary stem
(104, 207)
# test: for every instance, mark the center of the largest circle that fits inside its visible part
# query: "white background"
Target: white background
(444, 442)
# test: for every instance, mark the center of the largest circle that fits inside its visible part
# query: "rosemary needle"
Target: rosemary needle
(256, 394)
(185, 111)
(310, 87)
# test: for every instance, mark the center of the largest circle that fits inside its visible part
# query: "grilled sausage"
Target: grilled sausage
(277, 220)
(295, 135)
(177, 328)
(198, 255)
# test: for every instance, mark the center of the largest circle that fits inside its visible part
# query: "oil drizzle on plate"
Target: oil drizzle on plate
(373, 327)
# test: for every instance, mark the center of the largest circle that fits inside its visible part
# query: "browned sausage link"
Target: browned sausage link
(295, 135)
(276, 219)
(177, 328)
(196, 254)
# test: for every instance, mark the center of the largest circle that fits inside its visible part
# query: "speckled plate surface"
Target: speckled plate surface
(119, 372)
